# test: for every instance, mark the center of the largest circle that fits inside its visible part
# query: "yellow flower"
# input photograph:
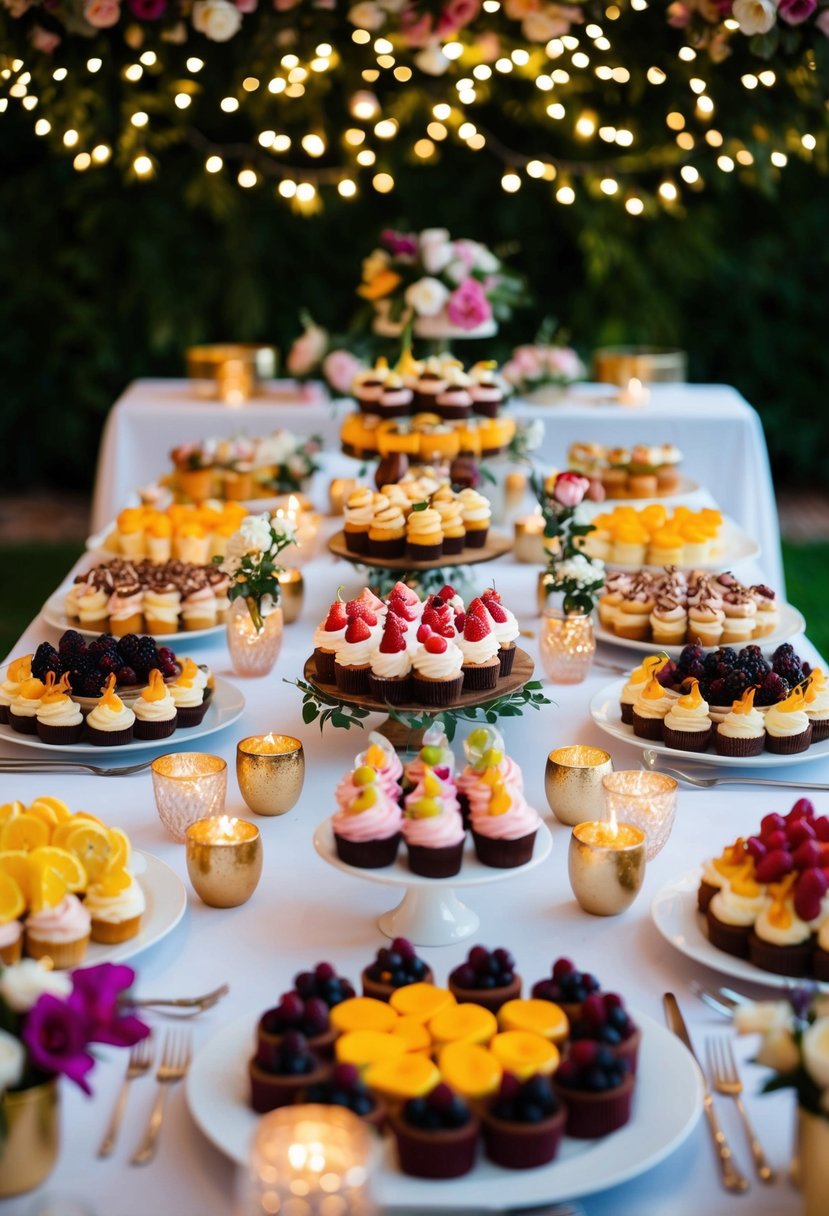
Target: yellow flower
(383, 284)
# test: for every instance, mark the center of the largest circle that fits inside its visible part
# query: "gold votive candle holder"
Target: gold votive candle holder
(650, 364)
(188, 786)
(573, 782)
(291, 594)
(309, 1160)
(270, 770)
(529, 540)
(646, 800)
(567, 645)
(606, 865)
(224, 860)
(338, 491)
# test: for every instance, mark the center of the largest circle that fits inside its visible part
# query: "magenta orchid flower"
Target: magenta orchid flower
(97, 993)
(399, 244)
(55, 1034)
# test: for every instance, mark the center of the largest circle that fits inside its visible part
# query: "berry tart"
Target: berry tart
(367, 831)
(567, 987)
(292, 1069)
(596, 1088)
(394, 967)
(308, 1015)
(487, 978)
(345, 1088)
(323, 982)
(605, 1020)
(436, 1135)
(523, 1124)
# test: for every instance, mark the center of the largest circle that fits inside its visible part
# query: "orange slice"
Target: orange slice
(469, 1022)
(421, 1001)
(48, 888)
(364, 1047)
(65, 863)
(9, 809)
(12, 903)
(414, 1034)
(363, 1013)
(24, 832)
(543, 1017)
(470, 1069)
(407, 1076)
(112, 882)
(88, 815)
(121, 849)
(56, 805)
(91, 844)
(15, 863)
(524, 1053)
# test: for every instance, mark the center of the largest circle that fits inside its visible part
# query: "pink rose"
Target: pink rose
(307, 352)
(456, 15)
(148, 10)
(468, 306)
(564, 362)
(822, 22)
(795, 12)
(103, 14)
(570, 489)
(399, 243)
(247, 6)
(43, 40)
(512, 372)
(339, 369)
(529, 361)
(416, 30)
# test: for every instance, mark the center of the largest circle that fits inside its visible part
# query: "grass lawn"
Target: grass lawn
(31, 572)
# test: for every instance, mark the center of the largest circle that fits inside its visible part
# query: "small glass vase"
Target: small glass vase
(30, 1146)
(567, 645)
(812, 1149)
(253, 651)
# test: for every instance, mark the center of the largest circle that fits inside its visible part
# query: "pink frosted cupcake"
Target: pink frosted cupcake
(367, 830)
(504, 829)
(61, 933)
(381, 756)
(435, 754)
(433, 829)
(484, 749)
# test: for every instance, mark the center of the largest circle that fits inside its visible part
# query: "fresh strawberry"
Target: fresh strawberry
(336, 618)
(357, 631)
(496, 611)
(435, 644)
(460, 621)
(402, 608)
(490, 595)
(424, 632)
(394, 639)
(476, 628)
(477, 608)
(368, 597)
(404, 593)
(447, 593)
(359, 610)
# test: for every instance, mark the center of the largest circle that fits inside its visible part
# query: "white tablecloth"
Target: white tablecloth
(719, 433)
(304, 912)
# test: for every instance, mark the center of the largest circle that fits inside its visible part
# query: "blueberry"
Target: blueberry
(597, 1080)
(394, 960)
(456, 1114)
(537, 1089)
(505, 1109)
(431, 1121)
(398, 977)
(487, 982)
(530, 1112)
(415, 1111)
(605, 1058)
(362, 1104)
(417, 968)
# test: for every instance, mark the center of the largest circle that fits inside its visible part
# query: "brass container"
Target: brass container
(606, 872)
(291, 594)
(650, 364)
(224, 860)
(573, 783)
(230, 371)
(270, 770)
(31, 1142)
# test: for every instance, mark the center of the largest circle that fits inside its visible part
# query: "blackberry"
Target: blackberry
(72, 643)
(127, 646)
(727, 657)
(772, 690)
(105, 643)
(786, 651)
(735, 684)
(140, 653)
(690, 656)
(46, 659)
(715, 692)
(89, 685)
(753, 664)
(710, 664)
(789, 670)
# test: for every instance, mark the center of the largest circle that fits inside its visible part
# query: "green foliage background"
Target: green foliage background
(102, 281)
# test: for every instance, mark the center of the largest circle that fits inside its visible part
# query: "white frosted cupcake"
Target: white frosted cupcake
(115, 914)
(110, 722)
(155, 710)
(788, 729)
(649, 710)
(742, 731)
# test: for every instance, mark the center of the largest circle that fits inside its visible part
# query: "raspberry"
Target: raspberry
(806, 856)
(447, 593)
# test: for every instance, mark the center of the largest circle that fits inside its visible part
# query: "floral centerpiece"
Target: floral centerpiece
(250, 563)
(443, 287)
(541, 370)
(279, 462)
(318, 353)
(570, 573)
(49, 1022)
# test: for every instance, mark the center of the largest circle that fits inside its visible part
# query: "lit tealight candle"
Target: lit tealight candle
(529, 540)
(573, 781)
(224, 860)
(634, 393)
(270, 770)
(291, 594)
(606, 864)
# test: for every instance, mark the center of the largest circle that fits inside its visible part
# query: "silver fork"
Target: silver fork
(650, 760)
(175, 1060)
(69, 766)
(189, 1006)
(139, 1063)
(726, 1080)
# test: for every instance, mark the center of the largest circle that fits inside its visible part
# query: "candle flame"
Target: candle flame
(225, 828)
(269, 739)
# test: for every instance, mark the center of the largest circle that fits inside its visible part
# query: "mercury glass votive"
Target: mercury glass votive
(270, 770)
(529, 540)
(606, 865)
(646, 800)
(567, 645)
(224, 860)
(188, 786)
(573, 781)
(308, 1160)
(291, 594)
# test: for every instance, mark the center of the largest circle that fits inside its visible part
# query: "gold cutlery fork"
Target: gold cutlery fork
(139, 1063)
(726, 1080)
(175, 1060)
(183, 1006)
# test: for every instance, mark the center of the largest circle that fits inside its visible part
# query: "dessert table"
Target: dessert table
(719, 433)
(305, 911)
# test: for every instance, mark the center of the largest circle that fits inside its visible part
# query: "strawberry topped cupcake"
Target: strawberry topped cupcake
(433, 829)
(504, 832)
(352, 662)
(367, 830)
(391, 663)
(479, 647)
(438, 669)
(328, 638)
(504, 626)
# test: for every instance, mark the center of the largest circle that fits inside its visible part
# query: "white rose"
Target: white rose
(427, 296)
(276, 448)
(267, 605)
(367, 15)
(457, 271)
(285, 530)
(533, 435)
(485, 259)
(755, 16)
(762, 1016)
(216, 19)
(12, 1060)
(22, 984)
(435, 249)
(432, 61)
(778, 1051)
(815, 1048)
(255, 533)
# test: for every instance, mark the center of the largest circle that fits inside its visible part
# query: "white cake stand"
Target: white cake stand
(430, 913)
